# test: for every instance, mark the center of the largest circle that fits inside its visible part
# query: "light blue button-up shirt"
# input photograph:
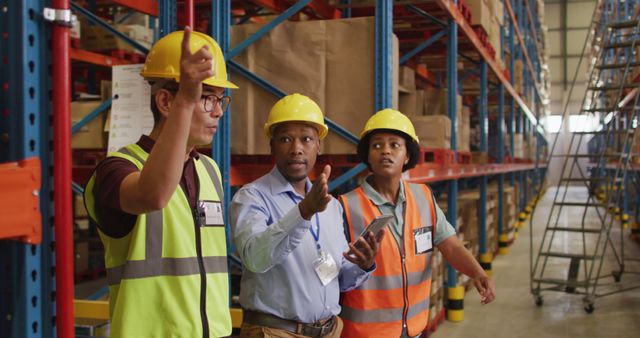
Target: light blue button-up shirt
(278, 249)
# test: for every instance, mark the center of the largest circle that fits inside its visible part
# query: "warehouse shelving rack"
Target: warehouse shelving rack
(32, 283)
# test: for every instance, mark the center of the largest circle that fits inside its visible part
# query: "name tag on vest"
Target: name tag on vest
(423, 238)
(212, 212)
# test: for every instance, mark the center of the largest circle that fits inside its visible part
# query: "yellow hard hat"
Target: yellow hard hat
(163, 60)
(390, 119)
(296, 108)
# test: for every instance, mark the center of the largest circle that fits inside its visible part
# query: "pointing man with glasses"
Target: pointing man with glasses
(157, 203)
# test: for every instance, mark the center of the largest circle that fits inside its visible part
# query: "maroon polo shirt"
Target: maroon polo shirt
(110, 173)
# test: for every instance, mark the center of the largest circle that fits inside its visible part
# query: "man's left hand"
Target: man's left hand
(486, 288)
(363, 251)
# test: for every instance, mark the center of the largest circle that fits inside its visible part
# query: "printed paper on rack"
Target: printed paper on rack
(130, 110)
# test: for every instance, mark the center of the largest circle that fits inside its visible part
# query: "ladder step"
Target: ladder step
(623, 24)
(567, 229)
(566, 255)
(561, 282)
(604, 132)
(587, 179)
(609, 109)
(615, 86)
(590, 155)
(617, 65)
(618, 45)
(578, 204)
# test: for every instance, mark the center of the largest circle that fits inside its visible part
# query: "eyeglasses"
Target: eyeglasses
(210, 101)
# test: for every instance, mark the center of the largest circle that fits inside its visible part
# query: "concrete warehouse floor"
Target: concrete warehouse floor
(514, 313)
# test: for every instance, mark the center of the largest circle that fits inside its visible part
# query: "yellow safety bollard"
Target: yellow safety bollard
(485, 262)
(455, 311)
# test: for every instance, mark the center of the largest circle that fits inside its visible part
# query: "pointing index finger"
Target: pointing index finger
(186, 38)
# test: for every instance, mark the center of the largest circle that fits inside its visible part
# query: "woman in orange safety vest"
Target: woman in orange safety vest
(394, 301)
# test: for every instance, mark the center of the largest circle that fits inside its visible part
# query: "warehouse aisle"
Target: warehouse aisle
(514, 313)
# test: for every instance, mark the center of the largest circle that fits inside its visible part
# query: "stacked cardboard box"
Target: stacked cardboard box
(96, 38)
(480, 13)
(492, 218)
(92, 134)
(331, 61)
(509, 210)
(433, 131)
(518, 146)
(518, 73)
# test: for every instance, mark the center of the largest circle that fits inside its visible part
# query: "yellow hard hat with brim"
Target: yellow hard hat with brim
(296, 108)
(163, 60)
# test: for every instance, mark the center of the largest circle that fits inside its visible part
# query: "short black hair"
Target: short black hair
(413, 148)
(171, 86)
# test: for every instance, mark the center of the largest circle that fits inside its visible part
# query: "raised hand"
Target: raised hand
(194, 68)
(318, 197)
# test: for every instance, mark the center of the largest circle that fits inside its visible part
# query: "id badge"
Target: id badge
(213, 215)
(423, 238)
(325, 267)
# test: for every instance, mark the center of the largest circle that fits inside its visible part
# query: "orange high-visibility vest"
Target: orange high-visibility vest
(398, 292)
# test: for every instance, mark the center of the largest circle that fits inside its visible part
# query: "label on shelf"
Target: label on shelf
(130, 109)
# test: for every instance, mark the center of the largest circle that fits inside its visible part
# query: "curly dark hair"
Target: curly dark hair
(413, 148)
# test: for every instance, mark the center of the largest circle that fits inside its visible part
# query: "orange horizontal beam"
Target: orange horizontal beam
(143, 6)
(96, 58)
(19, 201)
(430, 173)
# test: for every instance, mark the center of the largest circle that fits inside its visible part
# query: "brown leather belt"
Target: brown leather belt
(314, 330)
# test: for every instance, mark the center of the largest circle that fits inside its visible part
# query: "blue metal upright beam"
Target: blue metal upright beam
(500, 158)
(452, 86)
(27, 308)
(167, 10)
(221, 147)
(484, 147)
(384, 54)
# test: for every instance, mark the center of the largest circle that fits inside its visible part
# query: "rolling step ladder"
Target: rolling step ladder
(579, 268)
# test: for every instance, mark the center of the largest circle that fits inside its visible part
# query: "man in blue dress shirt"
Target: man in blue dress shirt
(289, 233)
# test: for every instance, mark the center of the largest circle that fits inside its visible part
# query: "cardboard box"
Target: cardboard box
(407, 79)
(433, 131)
(96, 38)
(494, 36)
(464, 130)
(92, 134)
(497, 10)
(480, 13)
(331, 61)
(78, 206)
(81, 256)
(408, 101)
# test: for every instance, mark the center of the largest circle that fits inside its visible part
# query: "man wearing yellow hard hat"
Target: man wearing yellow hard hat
(289, 233)
(395, 301)
(158, 206)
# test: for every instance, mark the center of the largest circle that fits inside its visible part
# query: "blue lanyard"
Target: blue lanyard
(315, 233)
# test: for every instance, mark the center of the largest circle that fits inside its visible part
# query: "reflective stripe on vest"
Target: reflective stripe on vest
(154, 264)
(382, 315)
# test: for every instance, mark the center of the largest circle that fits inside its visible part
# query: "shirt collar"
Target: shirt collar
(279, 183)
(376, 198)
(146, 143)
